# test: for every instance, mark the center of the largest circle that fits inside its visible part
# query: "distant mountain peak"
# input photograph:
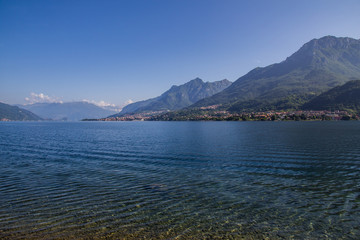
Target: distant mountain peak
(331, 41)
(328, 50)
(196, 80)
(224, 81)
(327, 42)
(177, 97)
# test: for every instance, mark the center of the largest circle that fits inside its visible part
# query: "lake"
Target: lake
(180, 180)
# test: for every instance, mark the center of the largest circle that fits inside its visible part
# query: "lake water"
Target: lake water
(180, 180)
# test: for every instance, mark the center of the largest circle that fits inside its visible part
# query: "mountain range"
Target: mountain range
(14, 113)
(69, 111)
(177, 97)
(316, 67)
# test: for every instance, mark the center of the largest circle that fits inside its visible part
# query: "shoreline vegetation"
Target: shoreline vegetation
(298, 115)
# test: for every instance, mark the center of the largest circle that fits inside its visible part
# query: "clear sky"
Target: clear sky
(113, 51)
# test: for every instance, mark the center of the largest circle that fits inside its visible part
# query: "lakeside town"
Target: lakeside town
(245, 116)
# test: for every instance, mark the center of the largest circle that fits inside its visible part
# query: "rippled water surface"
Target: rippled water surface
(180, 180)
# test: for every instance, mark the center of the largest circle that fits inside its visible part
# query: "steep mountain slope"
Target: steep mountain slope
(316, 67)
(70, 111)
(343, 97)
(13, 113)
(177, 97)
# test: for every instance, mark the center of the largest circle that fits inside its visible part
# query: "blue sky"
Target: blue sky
(113, 51)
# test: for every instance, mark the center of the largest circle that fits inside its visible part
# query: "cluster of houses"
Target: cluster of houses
(261, 116)
(305, 115)
(133, 117)
(280, 115)
(212, 115)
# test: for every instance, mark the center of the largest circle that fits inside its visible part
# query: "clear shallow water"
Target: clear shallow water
(180, 180)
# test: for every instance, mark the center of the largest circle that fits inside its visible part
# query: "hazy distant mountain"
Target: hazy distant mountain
(177, 97)
(70, 111)
(345, 97)
(8, 112)
(316, 67)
